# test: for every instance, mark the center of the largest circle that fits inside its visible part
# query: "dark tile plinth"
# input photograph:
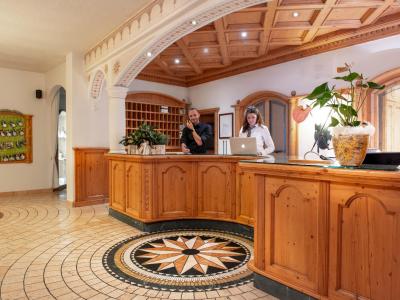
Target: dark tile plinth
(244, 230)
(278, 290)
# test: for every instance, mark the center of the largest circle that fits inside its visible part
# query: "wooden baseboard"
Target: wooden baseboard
(90, 202)
(26, 192)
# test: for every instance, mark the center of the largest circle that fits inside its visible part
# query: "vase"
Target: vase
(158, 149)
(132, 149)
(145, 148)
(350, 144)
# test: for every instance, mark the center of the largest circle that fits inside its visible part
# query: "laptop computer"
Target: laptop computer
(243, 146)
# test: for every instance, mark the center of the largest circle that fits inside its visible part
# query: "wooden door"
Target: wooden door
(133, 189)
(175, 189)
(215, 190)
(278, 124)
(364, 243)
(117, 185)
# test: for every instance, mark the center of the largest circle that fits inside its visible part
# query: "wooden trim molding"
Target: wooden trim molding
(91, 176)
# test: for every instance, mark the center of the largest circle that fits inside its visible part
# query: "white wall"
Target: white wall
(301, 75)
(17, 92)
(171, 90)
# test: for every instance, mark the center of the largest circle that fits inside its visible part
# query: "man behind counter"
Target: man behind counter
(196, 136)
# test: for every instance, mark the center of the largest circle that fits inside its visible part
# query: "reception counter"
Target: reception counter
(326, 231)
(156, 188)
(320, 231)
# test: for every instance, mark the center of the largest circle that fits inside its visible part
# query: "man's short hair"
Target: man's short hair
(192, 108)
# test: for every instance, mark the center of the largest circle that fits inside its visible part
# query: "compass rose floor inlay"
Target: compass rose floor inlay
(185, 260)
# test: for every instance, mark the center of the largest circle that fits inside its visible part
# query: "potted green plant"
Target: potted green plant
(146, 140)
(130, 143)
(350, 134)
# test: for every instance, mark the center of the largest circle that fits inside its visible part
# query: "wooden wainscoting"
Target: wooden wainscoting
(91, 176)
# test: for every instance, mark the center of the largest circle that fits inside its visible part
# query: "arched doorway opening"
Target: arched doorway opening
(59, 139)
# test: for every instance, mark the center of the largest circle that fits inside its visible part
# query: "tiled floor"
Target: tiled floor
(49, 250)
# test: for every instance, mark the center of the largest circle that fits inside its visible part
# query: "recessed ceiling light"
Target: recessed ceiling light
(205, 50)
(296, 14)
(177, 60)
(243, 34)
(149, 54)
(194, 22)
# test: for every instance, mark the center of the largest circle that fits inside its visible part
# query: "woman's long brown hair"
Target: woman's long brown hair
(251, 110)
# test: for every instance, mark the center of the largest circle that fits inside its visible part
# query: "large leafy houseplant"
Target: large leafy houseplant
(345, 103)
(350, 134)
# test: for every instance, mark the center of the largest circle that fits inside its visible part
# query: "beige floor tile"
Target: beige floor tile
(47, 245)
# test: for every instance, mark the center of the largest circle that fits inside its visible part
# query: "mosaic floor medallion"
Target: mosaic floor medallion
(185, 260)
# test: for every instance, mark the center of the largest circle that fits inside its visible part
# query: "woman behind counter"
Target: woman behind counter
(253, 127)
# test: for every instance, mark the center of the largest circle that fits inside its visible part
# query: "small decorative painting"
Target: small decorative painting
(226, 126)
(15, 137)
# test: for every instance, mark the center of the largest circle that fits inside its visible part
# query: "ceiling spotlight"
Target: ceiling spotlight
(177, 60)
(296, 14)
(194, 22)
(243, 34)
(149, 54)
(205, 50)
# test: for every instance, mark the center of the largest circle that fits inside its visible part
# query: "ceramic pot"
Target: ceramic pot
(158, 149)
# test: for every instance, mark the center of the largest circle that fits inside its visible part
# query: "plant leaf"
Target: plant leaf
(350, 77)
(318, 91)
(356, 123)
(375, 86)
(334, 122)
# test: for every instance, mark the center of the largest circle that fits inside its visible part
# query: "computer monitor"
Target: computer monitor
(243, 146)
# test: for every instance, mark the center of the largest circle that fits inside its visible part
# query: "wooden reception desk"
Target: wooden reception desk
(331, 233)
(328, 233)
(170, 187)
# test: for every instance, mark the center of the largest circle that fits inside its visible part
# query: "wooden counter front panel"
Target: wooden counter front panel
(246, 196)
(133, 188)
(117, 179)
(295, 251)
(364, 243)
(175, 192)
(215, 188)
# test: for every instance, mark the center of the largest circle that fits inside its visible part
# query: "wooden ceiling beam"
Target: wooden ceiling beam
(219, 26)
(319, 20)
(268, 24)
(163, 65)
(189, 56)
(377, 13)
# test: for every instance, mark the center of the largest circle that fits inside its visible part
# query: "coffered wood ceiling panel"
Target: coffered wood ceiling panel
(272, 33)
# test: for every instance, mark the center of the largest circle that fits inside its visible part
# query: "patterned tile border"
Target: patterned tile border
(123, 261)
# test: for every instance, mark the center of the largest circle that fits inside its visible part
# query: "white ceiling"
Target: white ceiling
(35, 35)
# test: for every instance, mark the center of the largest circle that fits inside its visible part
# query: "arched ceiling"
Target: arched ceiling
(275, 32)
